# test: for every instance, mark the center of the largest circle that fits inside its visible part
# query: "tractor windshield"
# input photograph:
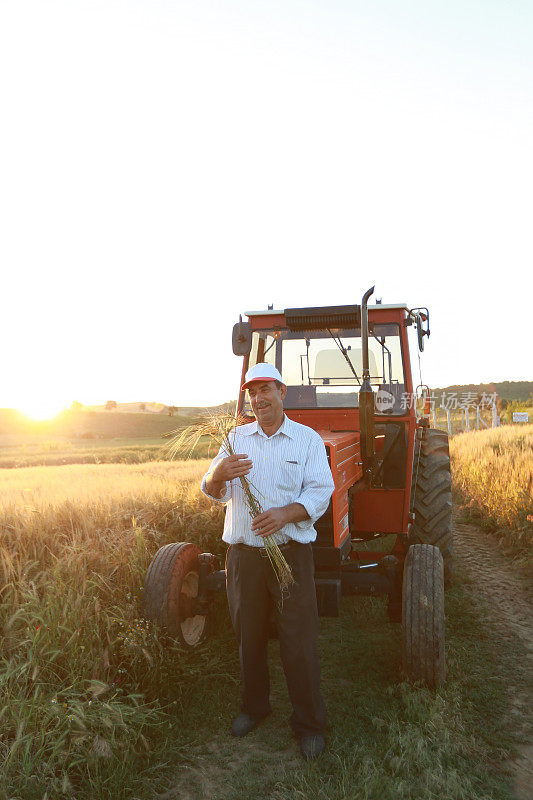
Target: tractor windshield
(318, 375)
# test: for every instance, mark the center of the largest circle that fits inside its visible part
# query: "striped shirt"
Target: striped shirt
(291, 466)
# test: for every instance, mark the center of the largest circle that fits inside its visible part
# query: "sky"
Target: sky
(166, 166)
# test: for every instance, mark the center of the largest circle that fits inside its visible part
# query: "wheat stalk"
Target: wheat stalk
(219, 428)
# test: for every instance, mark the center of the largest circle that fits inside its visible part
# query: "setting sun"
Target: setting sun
(41, 409)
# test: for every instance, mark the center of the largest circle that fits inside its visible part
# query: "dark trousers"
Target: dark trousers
(253, 593)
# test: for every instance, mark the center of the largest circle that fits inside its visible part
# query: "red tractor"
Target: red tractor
(348, 376)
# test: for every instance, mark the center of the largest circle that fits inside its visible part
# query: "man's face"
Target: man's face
(267, 402)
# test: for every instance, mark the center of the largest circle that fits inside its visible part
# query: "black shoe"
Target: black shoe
(312, 746)
(243, 724)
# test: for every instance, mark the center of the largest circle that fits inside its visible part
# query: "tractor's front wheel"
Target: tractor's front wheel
(171, 590)
(423, 615)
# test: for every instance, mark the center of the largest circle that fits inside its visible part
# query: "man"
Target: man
(287, 467)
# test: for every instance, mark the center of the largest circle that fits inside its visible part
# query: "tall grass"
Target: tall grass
(493, 473)
(84, 681)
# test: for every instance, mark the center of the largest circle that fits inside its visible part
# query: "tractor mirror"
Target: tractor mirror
(420, 317)
(420, 332)
(241, 339)
(422, 325)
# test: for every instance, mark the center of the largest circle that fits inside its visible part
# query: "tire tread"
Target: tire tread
(433, 498)
(423, 616)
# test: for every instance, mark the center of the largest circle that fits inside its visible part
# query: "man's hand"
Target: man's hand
(227, 469)
(231, 467)
(269, 522)
(274, 519)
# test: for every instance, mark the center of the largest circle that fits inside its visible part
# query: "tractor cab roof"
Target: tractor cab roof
(323, 318)
(281, 311)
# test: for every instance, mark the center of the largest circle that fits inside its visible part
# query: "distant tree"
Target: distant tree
(111, 405)
(76, 406)
(172, 410)
(142, 406)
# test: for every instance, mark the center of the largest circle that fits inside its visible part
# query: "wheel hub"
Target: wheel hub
(192, 624)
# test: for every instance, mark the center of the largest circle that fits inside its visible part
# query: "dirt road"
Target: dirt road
(509, 597)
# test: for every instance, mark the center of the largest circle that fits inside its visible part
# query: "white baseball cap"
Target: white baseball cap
(261, 372)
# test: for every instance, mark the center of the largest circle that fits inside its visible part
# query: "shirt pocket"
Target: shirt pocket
(290, 476)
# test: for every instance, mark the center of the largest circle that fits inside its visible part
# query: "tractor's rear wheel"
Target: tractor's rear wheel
(423, 616)
(432, 487)
(170, 591)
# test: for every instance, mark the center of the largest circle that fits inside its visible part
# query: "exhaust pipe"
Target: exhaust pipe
(366, 398)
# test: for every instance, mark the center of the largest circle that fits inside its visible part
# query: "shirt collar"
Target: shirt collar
(286, 427)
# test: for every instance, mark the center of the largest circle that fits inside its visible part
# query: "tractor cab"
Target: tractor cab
(348, 376)
(323, 369)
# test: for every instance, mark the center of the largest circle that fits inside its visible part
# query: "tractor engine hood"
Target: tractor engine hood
(344, 455)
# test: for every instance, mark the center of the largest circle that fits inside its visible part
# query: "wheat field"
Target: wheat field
(492, 472)
(88, 689)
